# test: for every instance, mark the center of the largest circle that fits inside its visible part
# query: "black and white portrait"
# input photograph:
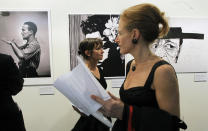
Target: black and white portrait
(169, 47)
(25, 36)
(104, 27)
(186, 44)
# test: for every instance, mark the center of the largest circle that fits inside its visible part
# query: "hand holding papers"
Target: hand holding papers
(78, 86)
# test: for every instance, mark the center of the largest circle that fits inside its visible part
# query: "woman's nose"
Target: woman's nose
(117, 40)
(102, 51)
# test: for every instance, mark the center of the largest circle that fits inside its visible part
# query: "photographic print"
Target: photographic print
(185, 45)
(25, 35)
(105, 27)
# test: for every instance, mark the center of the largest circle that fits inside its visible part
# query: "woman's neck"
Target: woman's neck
(141, 54)
(91, 64)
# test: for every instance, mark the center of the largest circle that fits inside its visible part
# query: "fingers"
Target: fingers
(112, 96)
(102, 110)
(101, 101)
(98, 99)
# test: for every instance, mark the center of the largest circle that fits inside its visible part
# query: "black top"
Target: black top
(11, 83)
(141, 96)
(89, 123)
(102, 79)
(138, 97)
(141, 111)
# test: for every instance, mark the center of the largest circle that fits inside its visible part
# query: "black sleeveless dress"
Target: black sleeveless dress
(142, 96)
(138, 97)
(90, 123)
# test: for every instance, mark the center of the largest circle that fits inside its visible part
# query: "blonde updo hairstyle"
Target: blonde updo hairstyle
(148, 19)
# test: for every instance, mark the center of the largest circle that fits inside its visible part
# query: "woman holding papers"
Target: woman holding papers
(150, 93)
(91, 50)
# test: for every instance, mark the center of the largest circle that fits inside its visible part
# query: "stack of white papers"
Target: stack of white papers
(78, 85)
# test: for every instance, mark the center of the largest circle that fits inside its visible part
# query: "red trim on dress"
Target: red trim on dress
(130, 119)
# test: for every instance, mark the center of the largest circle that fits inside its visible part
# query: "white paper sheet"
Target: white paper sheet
(78, 85)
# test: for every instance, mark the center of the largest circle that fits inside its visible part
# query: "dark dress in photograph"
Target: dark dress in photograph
(11, 83)
(90, 123)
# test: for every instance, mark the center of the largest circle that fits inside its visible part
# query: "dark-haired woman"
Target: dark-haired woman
(91, 50)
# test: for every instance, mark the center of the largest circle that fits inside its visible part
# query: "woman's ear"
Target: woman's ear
(87, 53)
(135, 34)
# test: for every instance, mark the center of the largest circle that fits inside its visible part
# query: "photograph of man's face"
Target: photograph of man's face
(30, 31)
(167, 49)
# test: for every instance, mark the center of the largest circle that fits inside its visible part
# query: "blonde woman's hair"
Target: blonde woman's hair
(148, 19)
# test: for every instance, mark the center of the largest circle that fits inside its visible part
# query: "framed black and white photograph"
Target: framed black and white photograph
(105, 27)
(185, 45)
(26, 36)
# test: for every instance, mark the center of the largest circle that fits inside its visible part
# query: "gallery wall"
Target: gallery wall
(54, 112)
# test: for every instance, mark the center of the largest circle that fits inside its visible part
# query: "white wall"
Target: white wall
(54, 112)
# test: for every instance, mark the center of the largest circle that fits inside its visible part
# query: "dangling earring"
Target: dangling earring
(134, 41)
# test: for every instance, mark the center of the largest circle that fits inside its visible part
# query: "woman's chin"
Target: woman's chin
(122, 52)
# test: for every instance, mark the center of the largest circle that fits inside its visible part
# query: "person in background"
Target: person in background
(11, 83)
(91, 51)
(149, 96)
(105, 27)
(29, 53)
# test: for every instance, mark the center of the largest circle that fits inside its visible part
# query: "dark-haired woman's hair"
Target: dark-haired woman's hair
(89, 44)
